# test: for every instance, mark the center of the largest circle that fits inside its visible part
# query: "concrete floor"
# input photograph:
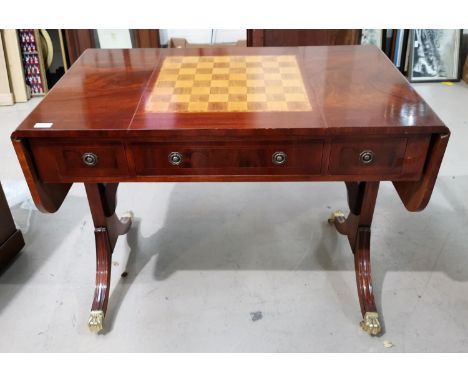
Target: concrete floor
(246, 266)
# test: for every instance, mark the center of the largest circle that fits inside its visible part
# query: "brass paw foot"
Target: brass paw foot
(371, 323)
(96, 319)
(334, 215)
(129, 215)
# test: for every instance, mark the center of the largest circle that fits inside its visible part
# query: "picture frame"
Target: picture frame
(372, 37)
(435, 55)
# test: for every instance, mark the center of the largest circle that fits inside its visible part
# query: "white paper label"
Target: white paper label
(43, 125)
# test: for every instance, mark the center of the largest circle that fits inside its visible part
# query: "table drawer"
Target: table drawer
(80, 160)
(228, 158)
(367, 157)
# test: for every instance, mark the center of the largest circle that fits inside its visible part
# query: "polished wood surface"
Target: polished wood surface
(349, 87)
(363, 124)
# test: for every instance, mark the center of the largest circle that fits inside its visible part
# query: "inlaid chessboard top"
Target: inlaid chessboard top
(346, 89)
(251, 83)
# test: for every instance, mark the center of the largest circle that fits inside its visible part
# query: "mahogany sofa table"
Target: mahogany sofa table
(232, 114)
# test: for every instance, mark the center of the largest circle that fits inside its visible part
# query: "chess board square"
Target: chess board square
(237, 90)
(256, 90)
(237, 97)
(217, 106)
(253, 59)
(251, 65)
(224, 76)
(221, 58)
(254, 76)
(166, 84)
(169, 71)
(183, 84)
(279, 106)
(219, 90)
(278, 97)
(198, 107)
(203, 71)
(237, 106)
(185, 77)
(187, 65)
(175, 98)
(161, 98)
(256, 83)
(167, 90)
(274, 90)
(273, 82)
(178, 106)
(271, 70)
(221, 65)
(272, 76)
(188, 71)
(197, 84)
(169, 77)
(256, 97)
(182, 90)
(220, 71)
(237, 83)
(218, 97)
(220, 84)
(257, 106)
(205, 65)
(289, 69)
(199, 97)
(203, 77)
(203, 90)
(237, 76)
(190, 60)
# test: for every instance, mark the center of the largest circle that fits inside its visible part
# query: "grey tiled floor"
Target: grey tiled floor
(204, 259)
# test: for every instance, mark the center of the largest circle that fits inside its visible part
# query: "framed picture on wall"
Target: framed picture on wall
(434, 55)
(372, 37)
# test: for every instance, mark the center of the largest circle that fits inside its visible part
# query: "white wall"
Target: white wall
(203, 36)
(114, 38)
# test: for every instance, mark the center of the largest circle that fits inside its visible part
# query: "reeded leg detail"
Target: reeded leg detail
(108, 227)
(361, 199)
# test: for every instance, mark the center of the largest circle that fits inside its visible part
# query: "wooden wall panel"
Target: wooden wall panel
(303, 37)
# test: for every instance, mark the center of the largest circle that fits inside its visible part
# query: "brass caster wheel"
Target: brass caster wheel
(371, 323)
(96, 321)
(334, 215)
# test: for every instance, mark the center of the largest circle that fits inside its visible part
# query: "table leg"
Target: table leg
(357, 227)
(107, 228)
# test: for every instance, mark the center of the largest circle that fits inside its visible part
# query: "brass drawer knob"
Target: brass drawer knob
(90, 159)
(175, 158)
(366, 157)
(279, 157)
